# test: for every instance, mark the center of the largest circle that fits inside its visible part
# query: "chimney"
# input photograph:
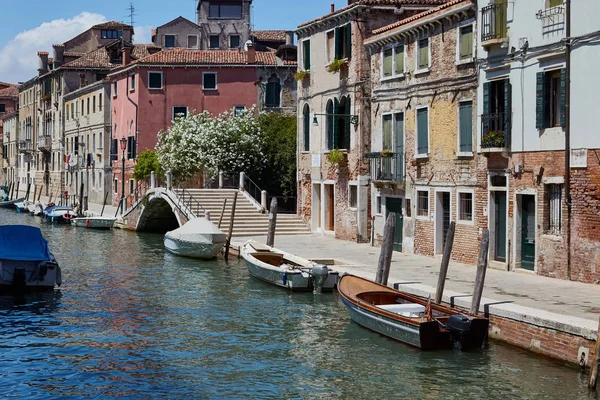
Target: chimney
(43, 62)
(289, 37)
(59, 55)
(126, 56)
(251, 54)
(332, 8)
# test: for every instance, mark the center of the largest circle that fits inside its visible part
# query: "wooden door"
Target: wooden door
(500, 216)
(528, 232)
(394, 205)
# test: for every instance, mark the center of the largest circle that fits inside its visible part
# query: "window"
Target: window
(330, 46)
(234, 41)
(306, 54)
(550, 99)
(2, 108)
(209, 81)
(343, 41)
(306, 127)
(180, 111)
(116, 186)
(131, 186)
(378, 205)
(72, 111)
(155, 80)
(352, 195)
(496, 118)
(273, 92)
(131, 82)
(423, 54)
(227, 10)
(465, 206)
(553, 3)
(554, 193)
(465, 43)
(169, 41)
(238, 110)
(94, 104)
(387, 132)
(407, 208)
(115, 91)
(111, 34)
(422, 131)
(82, 109)
(131, 153)
(393, 61)
(465, 116)
(192, 42)
(88, 106)
(214, 42)
(100, 101)
(422, 203)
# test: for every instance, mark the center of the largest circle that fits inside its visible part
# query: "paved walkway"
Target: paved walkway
(531, 296)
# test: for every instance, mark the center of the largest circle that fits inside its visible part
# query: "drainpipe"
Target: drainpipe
(568, 138)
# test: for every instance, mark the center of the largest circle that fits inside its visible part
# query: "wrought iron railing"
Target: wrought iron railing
(189, 200)
(25, 146)
(495, 130)
(252, 189)
(285, 204)
(385, 166)
(44, 142)
(493, 22)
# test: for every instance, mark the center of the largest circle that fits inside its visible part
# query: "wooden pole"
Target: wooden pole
(596, 364)
(385, 257)
(17, 196)
(40, 193)
(230, 226)
(445, 261)
(28, 190)
(11, 190)
(80, 207)
(104, 204)
(481, 270)
(272, 223)
(222, 212)
(34, 193)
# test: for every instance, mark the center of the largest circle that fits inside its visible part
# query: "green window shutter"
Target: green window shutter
(507, 112)
(387, 62)
(487, 105)
(387, 132)
(330, 124)
(466, 42)
(399, 59)
(540, 107)
(399, 139)
(422, 131)
(306, 55)
(348, 35)
(563, 97)
(348, 124)
(336, 123)
(338, 43)
(423, 45)
(306, 128)
(466, 126)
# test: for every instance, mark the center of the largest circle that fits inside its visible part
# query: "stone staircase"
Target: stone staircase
(248, 219)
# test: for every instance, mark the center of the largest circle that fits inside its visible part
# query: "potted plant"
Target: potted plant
(302, 75)
(336, 157)
(336, 65)
(386, 153)
(493, 138)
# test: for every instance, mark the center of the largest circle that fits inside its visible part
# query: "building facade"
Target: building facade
(423, 160)
(29, 121)
(225, 24)
(8, 104)
(10, 149)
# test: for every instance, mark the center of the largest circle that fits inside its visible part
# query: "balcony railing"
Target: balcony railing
(493, 22)
(25, 146)
(44, 143)
(386, 167)
(495, 131)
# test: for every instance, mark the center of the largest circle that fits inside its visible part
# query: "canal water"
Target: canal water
(131, 321)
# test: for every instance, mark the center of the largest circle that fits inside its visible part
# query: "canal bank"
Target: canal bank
(552, 317)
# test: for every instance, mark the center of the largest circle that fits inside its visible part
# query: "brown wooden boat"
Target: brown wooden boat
(408, 318)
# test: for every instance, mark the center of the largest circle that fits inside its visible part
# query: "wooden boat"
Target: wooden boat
(11, 203)
(26, 263)
(23, 206)
(59, 214)
(287, 270)
(410, 319)
(94, 222)
(197, 238)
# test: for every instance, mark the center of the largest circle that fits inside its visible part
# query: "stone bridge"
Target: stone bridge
(159, 210)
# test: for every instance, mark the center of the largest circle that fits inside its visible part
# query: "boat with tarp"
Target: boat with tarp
(197, 238)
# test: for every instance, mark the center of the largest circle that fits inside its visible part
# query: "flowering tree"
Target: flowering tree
(230, 142)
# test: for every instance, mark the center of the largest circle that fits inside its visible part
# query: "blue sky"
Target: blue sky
(32, 25)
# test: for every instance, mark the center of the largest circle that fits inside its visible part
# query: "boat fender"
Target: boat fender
(67, 217)
(285, 278)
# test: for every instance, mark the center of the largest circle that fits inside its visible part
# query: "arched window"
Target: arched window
(273, 94)
(306, 121)
(343, 124)
(329, 125)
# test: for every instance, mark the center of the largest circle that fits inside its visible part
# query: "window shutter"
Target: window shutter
(133, 147)
(422, 140)
(387, 132)
(348, 108)
(563, 96)
(399, 56)
(330, 124)
(113, 150)
(336, 128)
(507, 112)
(306, 128)
(338, 43)
(485, 121)
(348, 34)
(387, 62)
(540, 118)
(466, 126)
(306, 55)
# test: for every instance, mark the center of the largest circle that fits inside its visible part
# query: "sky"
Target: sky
(29, 26)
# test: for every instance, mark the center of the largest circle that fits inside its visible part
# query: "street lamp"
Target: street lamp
(123, 148)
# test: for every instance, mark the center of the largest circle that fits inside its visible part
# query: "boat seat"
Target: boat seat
(406, 310)
(274, 259)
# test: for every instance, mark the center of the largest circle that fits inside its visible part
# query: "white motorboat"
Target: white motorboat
(198, 238)
(94, 222)
(26, 263)
(287, 270)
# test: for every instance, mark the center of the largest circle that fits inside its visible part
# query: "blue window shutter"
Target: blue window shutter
(563, 96)
(466, 126)
(422, 139)
(540, 107)
(507, 112)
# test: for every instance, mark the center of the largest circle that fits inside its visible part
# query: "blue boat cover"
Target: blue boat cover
(23, 243)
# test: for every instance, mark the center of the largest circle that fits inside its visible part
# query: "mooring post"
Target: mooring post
(207, 215)
(27, 192)
(242, 180)
(272, 222)
(40, 193)
(222, 212)
(10, 189)
(595, 366)
(34, 193)
(80, 208)
(481, 270)
(387, 247)
(18, 183)
(445, 261)
(263, 200)
(228, 244)
(152, 179)
(220, 179)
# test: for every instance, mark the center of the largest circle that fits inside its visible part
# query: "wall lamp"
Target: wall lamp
(353, 118)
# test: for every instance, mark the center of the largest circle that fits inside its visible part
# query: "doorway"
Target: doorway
(528, 232)
(500, 226)
(394, 205)
(442, 220)
(329, 215)
(316, 207)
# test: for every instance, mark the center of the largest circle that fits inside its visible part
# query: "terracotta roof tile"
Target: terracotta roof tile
(100, 58)
(397, 3)
(407, 21)
(112, 25)
(11, 91)
(73, 54)
(202, 57)
(269, 35)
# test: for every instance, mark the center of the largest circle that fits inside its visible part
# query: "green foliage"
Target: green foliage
(493, 139)
(279, 174)
(301, 75)
(336, 156)
(335, 66)
(146, 163)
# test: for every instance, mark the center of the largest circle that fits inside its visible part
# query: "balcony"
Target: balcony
(386, 166)
(495, 132)
(44, 143)
(25, 146)
(494, 27)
